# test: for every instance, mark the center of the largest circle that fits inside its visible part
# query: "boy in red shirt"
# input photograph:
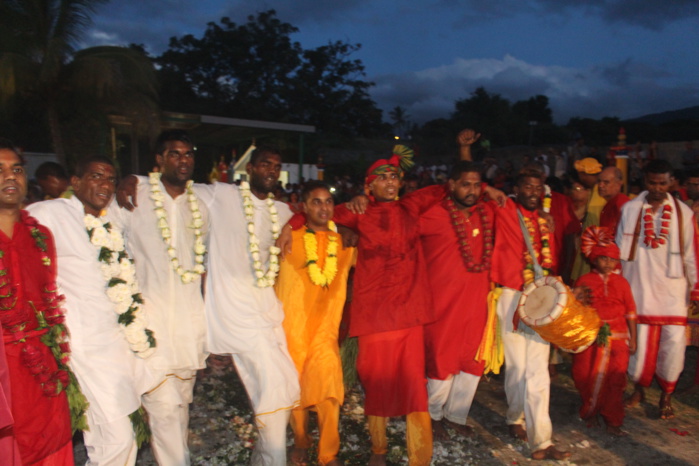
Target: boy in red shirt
(599, 372)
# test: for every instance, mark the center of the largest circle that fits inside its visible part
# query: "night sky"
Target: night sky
(595, 58)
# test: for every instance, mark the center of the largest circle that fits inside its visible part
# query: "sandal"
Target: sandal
(551, 453)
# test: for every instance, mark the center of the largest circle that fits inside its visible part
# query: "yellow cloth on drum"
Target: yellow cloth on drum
(490, 349)
(575, 329)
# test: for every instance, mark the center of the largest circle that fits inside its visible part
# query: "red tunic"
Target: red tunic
(451, 342)
(599, 372)
(41, 423)
(611, 212)
(566, 223)
(508, 256)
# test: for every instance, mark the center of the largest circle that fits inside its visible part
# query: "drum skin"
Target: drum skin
(548, 306)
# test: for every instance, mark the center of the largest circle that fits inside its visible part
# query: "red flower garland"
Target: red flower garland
(50, 319)
(650, 239)
(457, 221)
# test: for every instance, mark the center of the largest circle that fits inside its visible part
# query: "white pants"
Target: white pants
(527, 381)
(667, 363)
(452, 398)
(272, 383)
(109, 444)
(168, 417)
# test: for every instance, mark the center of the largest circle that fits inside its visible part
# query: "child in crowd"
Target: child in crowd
(599, 371)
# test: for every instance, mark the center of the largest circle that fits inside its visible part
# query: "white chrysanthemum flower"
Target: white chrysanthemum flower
(160, 213)
(171, 252)
(166, 233)
(199, 248)
(199, 268)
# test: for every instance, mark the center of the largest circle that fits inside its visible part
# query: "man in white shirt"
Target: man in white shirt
(110, 340)
(244, 316)
(656, 238)
(166, 237)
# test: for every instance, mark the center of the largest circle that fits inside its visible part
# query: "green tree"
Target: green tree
(255, 70)
(40, 62)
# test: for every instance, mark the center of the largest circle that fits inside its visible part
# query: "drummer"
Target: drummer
(527, 382)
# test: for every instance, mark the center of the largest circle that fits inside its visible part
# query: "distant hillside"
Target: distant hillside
(689, 113)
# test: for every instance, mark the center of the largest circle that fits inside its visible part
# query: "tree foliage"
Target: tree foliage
(255, 70)
(40, 65)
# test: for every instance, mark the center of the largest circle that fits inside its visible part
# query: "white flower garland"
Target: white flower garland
(187, 276)
(264, 279)
(122, 290)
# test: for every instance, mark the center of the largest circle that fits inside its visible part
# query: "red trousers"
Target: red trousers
(599, 373)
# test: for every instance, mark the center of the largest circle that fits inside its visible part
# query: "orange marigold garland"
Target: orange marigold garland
(650, 239)
(545, 257)
(457, 221)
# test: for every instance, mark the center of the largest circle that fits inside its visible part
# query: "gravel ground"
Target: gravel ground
(221, 430)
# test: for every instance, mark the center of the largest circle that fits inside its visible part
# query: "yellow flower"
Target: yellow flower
(327, 275)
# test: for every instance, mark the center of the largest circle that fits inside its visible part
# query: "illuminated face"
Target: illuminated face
(265, 173)
(606, 265)
(529, 192)
(385, 187)
(13, 180)
(466, 190)
(609, 185)
(657, 184)
(176, 163)
(96, 187)
(319, 208)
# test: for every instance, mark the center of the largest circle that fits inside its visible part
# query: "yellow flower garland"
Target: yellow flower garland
(320, 277)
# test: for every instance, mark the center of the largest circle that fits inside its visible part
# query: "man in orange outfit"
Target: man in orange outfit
(312, 287)
(391, 302)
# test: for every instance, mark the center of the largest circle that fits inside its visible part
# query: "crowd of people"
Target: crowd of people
(121, 294)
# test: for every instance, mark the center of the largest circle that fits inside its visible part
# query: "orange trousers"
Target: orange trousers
(418, 433)
(328, 426)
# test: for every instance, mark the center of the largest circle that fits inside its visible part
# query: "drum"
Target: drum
(548, 306)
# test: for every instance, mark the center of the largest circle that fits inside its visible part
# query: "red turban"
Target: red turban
(400, 161)
(382, 166)
(598, 242)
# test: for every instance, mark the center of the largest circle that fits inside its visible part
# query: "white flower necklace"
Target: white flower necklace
(122, 290)
(264, 279)
(187, 276)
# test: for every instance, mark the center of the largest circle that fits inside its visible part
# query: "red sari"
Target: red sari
(41, 418)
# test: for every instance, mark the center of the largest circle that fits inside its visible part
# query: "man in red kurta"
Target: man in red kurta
(457, 240)
(610, 183)
(27, 284)
(390, 304)
(599, 371)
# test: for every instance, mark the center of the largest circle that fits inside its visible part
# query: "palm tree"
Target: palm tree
(400, 118)
(40, 60)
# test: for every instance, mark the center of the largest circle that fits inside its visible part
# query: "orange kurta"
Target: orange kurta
(312, 316)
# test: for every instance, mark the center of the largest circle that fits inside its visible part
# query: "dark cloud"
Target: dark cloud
(628, 89)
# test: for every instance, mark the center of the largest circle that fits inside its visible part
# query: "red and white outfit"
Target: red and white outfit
(599, 372)
(451, 342)
(527, 381)
(661, 280)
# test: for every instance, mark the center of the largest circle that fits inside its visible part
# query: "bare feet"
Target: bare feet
(377, 460)
(518, 432)
(335, 462)
(666, 411)
(592, 422)
(299, 456)
(439, 432)
(550, 453)
(460, 429)
(616, 431)
(636, 398)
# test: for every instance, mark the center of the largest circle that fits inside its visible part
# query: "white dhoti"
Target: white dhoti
(527, 381)
(110, 443)
(660, 353)
(452, 398)
(168, 418)
(271, 381)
